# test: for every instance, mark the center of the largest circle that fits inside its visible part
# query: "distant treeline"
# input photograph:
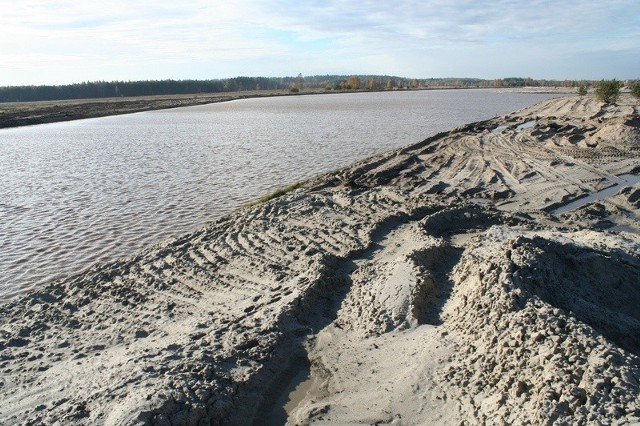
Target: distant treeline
(108, 89)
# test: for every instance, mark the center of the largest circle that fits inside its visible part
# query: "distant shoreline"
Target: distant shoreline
(20, 114)
(42, 112)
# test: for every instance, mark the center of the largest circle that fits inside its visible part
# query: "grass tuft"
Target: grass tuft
(278, 193)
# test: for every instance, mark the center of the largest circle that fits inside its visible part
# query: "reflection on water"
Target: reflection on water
(76, 193)
(621, 182)
(527, 125)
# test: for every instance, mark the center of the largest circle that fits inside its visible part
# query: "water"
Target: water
(621, 182)
(527, 125)
(76, 193)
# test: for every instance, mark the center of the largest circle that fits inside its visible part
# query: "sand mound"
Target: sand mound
(545, 336)
(625, 133)
(531, 333)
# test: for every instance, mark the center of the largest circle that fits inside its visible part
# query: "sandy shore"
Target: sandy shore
(435, 284)
(29, 113)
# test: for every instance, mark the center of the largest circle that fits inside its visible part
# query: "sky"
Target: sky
(68, 41)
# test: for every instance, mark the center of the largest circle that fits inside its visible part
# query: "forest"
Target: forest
(110, 89)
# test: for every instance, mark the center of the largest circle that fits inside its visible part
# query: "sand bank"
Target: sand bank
(41, 112)
(430, 285)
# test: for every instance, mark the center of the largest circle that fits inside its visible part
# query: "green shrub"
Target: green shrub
(278, 193)
(608, 91)
(635, 89)
(582, 89)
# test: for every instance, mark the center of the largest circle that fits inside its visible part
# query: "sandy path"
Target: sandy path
(431, 284)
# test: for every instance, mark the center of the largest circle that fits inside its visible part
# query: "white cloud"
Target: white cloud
(128, 39)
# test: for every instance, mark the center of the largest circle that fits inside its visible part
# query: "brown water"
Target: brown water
(76, 193)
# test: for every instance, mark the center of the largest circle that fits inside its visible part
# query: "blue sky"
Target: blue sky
(62, 41)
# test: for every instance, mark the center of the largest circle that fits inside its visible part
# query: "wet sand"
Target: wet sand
(433, 284)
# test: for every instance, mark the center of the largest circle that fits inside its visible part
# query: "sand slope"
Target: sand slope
(432, 284)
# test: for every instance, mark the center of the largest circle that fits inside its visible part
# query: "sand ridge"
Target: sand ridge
(430, 284)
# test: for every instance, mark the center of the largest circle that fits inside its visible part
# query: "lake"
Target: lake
(87, 191)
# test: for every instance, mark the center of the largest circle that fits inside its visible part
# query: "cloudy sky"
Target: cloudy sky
(66, 41)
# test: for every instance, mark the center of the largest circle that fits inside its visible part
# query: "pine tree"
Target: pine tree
(607, 91)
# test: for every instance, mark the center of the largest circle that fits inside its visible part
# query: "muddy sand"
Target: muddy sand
(442, 283)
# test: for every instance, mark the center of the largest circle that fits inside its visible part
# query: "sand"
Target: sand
(434, 284)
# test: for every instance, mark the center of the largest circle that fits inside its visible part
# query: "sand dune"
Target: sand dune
(435, 284)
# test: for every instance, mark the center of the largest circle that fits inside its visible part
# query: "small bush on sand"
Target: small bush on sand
(635, 89)
(608, 91)
(582, 89)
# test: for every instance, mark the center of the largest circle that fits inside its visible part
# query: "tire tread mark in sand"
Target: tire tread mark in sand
(174, 285)
(558, 155)
(205, 259)
(507, 178)
(251, 243)
(320, 307)
(198, 259)
(243, 283)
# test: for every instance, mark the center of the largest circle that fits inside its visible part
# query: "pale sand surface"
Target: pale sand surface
(430, 285)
